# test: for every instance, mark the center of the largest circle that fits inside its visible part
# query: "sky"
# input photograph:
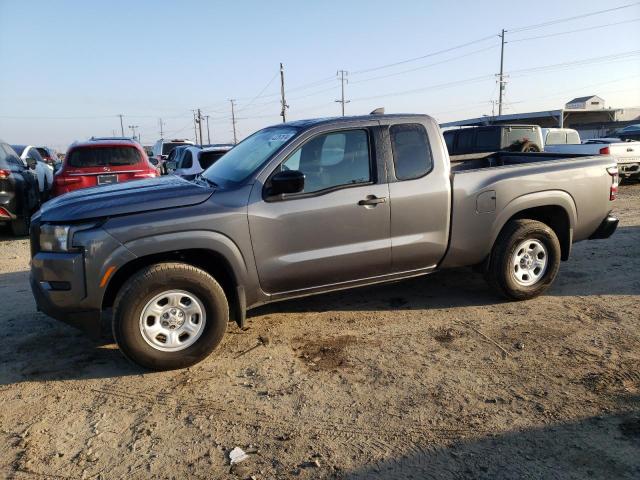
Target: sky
(69, 68)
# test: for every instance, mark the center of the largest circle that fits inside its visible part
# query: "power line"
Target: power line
(567, 19)
(259, 94)
(603, 58)
(424, 66)
(414, 59)
(595, 27)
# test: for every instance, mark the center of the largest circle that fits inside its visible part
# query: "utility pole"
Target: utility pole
(195, 127)
(208, 133)
(342, 74)
(121, 126)
(282, 100)
(161, 129)
(133, 130)
(200, 124)
(233, 120)
(501, 80)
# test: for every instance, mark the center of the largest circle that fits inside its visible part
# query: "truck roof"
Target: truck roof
(322, 121)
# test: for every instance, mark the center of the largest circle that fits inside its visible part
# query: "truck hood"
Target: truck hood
(129, 197)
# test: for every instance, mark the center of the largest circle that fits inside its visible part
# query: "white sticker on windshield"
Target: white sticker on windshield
(281, 137)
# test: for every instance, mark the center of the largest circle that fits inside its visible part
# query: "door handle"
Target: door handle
(372, 200)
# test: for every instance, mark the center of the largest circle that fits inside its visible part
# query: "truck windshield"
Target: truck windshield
(249, 155)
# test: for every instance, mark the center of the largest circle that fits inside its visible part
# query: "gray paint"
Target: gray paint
(301, 246)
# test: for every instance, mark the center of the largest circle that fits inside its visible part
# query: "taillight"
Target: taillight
(3, 212)
(60, 180)
(4, 174)
(605, 151)
(149, 174)
(613, 190)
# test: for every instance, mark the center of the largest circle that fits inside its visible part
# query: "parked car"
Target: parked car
(162, 148)
(626, 153)
(49, 156)
(173, 157)
(302, 208)
(98, 162)
(43, 171)
(470, 142)
(19, 194)
(193, 161)
(630, 132)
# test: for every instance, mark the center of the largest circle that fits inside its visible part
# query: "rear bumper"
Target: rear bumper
(606, 228)
(628, 169)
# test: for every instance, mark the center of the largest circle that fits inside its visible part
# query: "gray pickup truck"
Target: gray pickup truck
(302, 208)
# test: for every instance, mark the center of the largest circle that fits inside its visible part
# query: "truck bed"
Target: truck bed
(488, 191)
(501, 159)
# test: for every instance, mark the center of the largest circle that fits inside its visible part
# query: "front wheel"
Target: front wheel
(169, 315)
(525, 260)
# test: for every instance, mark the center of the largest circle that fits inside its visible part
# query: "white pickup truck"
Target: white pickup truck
(567, 140)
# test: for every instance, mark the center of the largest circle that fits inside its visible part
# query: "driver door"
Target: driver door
(336, 230)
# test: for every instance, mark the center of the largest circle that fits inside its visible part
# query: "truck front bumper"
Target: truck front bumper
(606, 228)
(58, 285)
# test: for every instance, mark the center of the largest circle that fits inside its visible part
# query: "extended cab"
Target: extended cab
(302, 208)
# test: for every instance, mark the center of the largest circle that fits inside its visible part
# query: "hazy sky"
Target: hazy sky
(70, 67)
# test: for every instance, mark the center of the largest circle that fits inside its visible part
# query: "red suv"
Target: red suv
(102, 161)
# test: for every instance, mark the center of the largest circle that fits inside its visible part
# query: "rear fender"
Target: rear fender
(549, 198)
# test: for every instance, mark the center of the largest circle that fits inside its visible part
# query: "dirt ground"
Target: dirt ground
(428, 378)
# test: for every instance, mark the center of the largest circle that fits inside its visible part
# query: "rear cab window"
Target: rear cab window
(488, 139)
(411, 153)
(86, 157)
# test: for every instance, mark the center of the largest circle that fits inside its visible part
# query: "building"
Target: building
(592, 102)
(587, 115)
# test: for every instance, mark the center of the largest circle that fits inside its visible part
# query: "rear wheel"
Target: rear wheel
(170, 315)
(525, 260)
(529, 147)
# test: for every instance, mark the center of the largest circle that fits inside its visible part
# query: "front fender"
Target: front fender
(201, 239)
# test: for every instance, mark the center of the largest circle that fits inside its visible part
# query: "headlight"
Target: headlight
(54, 238)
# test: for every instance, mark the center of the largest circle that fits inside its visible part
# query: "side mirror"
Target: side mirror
(170, 166)
(32, 163)
(287, 181)
(57, 167)
(153, 161)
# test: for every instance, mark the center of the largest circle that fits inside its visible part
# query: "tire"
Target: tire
(20, 226)
(505, 274)
(141, 339)
(529, 147)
